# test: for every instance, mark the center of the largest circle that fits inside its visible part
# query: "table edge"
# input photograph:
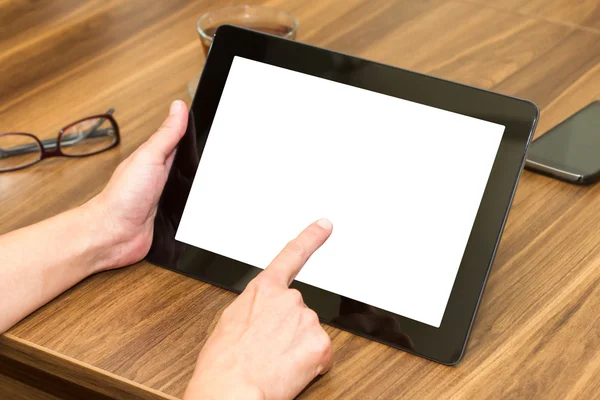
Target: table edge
(76, 371)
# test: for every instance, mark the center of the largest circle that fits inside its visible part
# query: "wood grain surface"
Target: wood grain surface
(21, 381)
(137, 331)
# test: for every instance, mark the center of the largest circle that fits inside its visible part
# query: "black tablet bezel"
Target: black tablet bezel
(444, 344)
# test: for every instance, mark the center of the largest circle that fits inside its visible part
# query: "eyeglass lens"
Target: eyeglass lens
(18, 151)
(88, 137)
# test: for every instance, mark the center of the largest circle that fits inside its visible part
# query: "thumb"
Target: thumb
(171, 131)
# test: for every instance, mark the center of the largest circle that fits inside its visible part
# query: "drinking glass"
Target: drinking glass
(259, 18)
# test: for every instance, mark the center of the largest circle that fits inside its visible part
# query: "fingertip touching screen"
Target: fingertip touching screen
(401, 181)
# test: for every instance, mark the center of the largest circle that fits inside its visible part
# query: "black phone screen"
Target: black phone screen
(573, 145)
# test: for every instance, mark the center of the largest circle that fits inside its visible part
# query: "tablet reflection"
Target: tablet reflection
(360, 317)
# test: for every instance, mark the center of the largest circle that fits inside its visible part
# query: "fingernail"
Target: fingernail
(175, 107)
(325, 224)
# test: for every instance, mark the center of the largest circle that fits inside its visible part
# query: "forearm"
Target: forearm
(40, 261)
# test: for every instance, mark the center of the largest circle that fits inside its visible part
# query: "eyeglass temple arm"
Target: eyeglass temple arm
(50, 144)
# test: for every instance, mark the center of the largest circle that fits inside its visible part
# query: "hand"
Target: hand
(113, 229)
(267, 344)
(127, 205)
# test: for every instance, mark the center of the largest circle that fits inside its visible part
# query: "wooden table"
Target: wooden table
(137, 331)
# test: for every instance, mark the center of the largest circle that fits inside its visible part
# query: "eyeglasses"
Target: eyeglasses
(86, 137)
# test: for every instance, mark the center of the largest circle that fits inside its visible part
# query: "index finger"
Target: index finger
(294, 255)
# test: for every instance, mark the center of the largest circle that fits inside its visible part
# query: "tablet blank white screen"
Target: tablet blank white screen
(401, 182)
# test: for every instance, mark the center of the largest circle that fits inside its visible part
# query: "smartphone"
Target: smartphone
(571, 150)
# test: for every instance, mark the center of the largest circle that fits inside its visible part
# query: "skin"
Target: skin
(267, 343)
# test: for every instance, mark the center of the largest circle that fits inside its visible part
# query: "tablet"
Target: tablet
(416, 173)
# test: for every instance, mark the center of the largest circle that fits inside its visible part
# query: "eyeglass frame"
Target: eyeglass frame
(55, 145)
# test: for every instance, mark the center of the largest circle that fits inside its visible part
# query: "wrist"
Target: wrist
(103, 242)
(125, 240)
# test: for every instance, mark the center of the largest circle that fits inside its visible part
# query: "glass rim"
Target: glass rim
(203, 34)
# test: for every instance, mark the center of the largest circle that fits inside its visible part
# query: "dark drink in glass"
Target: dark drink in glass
(259, 18)
(273, 29)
